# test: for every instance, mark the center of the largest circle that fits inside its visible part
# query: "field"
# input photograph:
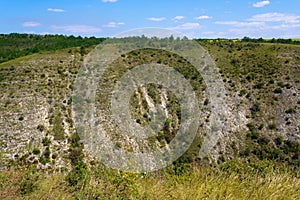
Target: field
(232, 181)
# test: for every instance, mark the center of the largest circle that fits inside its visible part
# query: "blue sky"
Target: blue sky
(194, 18)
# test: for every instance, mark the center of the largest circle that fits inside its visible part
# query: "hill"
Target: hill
(37, 77)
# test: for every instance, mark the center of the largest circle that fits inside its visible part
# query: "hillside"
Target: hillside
(262, 81)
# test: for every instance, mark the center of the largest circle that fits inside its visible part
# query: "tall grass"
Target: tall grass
(234, 182)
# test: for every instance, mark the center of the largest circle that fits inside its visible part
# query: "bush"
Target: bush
(278, 140)
(272, 126)
(278, 91)
(255, 108)
(290, 111)
(28, 184)
(206, 102)
(251, 127)
(242, 92)
(258, 85)
(36, 151)
(46, 141)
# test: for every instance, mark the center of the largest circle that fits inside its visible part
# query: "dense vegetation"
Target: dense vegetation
(260, 160)
(15, 45)
(260, 40)
(273, 40)
(233, 180)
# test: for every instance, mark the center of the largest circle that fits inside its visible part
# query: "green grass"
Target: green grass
(232, 181)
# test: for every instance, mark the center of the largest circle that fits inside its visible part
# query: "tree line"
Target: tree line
(16, 45)
(273, 40)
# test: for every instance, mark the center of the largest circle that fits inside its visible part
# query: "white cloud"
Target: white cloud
(284, 26)
(31, 24)
(203, 17)
(179, 17)
(186, 26)
(76, 28)
(263, 26)
(110, 1)
(114, 24)
(241, 24)
(261, 4)
(207, 33)
(56, 10)
(264, 21)
(266, 30)
(275, 17)
(156, 19)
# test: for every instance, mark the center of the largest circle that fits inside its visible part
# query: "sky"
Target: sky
(193, 18)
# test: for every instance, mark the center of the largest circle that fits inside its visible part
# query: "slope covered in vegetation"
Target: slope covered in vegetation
(16, 45)
(257, 157)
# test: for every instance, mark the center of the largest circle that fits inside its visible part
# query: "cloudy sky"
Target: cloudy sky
(194, 18)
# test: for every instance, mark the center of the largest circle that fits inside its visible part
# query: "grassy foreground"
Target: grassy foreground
(231, 181)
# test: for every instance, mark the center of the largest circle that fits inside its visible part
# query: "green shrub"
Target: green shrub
(46, 141)
(29, 182)
(242, 92)
(278, 140)
(272, 126)
(206, 102)
(258, 85)
(251, 127)
(255, 108)
(290, 111)
(278, 91)
(43, 160)
(36, 151)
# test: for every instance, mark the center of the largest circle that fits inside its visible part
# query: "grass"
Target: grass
(234, 182)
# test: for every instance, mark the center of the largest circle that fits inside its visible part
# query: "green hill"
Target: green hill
(257, 157)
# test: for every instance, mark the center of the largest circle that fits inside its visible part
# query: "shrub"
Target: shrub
(242, 92)
(251, 127)
(272, 126)
(290, 111)
(206, 102)
(46, 141)
(36, 151)
(255, 108)
(258, 85)
(253, 135)
(278, 140)
(43, 160)
(28, 184)
(278, 91)
(79, 170)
